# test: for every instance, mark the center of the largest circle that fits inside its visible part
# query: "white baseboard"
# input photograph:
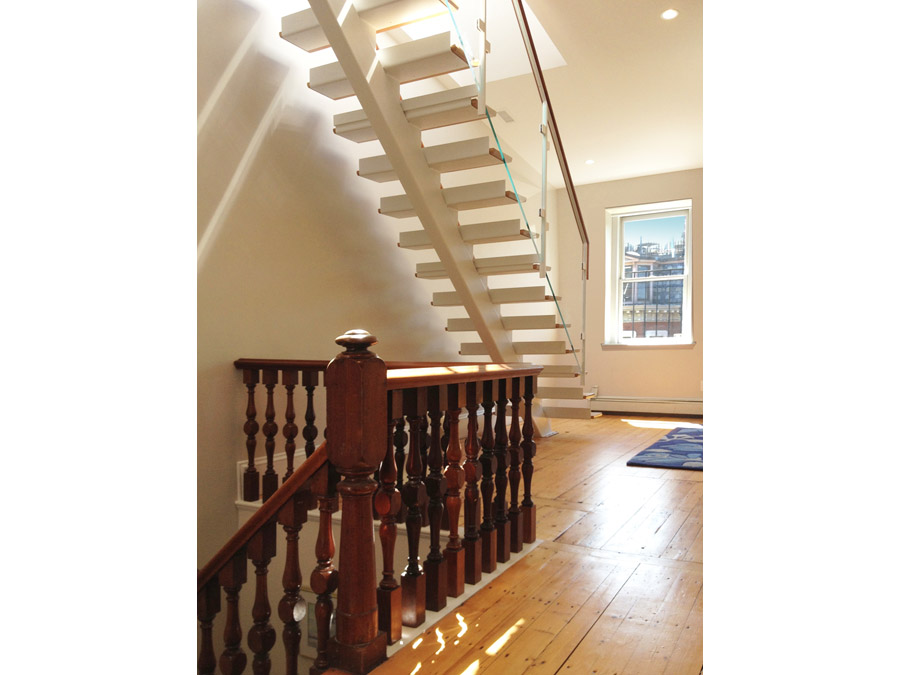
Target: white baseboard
(640, 404)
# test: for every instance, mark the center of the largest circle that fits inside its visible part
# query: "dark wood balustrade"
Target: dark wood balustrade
(395, 452)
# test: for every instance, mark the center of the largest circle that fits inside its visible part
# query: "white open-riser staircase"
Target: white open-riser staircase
(374, 76)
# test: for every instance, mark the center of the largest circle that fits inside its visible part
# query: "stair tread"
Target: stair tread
(529, 347)
(510, 264)
(429, 111)
(464, 197)
(302, 28)
(571, 393)
(457, 156)
(498, 296)
(406, 62)
(476, 233)
(527, 322)
(567, 412)
(560, 371)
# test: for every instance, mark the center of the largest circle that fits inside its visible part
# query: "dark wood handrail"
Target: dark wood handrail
(408, 378)
(290, 364)
(267, 511)
(280, 364)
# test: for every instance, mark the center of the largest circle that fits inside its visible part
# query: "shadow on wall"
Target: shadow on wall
(280, 211)
(291, 249)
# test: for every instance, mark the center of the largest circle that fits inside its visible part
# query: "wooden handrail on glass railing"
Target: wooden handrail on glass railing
(530, 49)
(381, 419)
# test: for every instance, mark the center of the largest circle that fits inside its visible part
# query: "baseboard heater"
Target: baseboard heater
(641, 404)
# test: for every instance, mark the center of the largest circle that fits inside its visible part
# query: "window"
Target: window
(648, 263)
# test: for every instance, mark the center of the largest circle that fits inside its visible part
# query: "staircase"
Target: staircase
(374, 73)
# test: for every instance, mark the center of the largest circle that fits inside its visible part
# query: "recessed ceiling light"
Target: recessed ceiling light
(669, 14)
(590, 161)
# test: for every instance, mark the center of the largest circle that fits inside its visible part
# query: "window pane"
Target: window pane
(652, 308)
(654, 247)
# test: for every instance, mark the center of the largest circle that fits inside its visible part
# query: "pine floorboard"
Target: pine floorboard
(615, 586)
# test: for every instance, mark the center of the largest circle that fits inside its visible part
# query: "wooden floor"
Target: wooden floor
(615, 587)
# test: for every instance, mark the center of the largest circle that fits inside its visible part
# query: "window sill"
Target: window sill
(648, 345)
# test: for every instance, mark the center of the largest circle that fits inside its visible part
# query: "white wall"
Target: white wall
(293, 250)
(654, 372)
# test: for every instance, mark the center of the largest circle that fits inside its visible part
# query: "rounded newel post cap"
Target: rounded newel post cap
(356, 340)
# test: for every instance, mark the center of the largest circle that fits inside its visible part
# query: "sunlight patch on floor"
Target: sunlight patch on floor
(472, 669)
(661, 424)
(495, 648)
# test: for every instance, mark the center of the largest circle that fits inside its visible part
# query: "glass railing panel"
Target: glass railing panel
(517, 126)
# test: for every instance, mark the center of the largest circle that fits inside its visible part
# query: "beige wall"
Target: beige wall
(655, 372)
(297, 253)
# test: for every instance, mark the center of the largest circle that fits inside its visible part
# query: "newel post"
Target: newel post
(356, 413)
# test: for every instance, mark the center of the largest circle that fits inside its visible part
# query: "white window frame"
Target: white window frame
(615, 272)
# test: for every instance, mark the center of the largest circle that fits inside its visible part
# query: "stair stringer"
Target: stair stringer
(353, 42)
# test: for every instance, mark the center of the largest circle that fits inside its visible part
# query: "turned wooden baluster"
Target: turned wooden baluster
(454, 476)
(310, 432)
(445, 440)
(436, 486)
(412, 580)
(489, 468)
(515, 457)
(387, 503)
(289, 378)
(401, 438)
(501, 452)
(356, 381)
(251, 427)
(261, 637)
(270, 430)
(472, 468)
(424, 447)
(310, 379)
(208, 605)
(234, 575)
(292, 607)
(529, 450)
(324, 578)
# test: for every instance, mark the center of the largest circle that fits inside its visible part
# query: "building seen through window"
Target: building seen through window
(653, 267)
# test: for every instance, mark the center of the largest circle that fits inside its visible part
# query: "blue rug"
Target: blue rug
(682, 448)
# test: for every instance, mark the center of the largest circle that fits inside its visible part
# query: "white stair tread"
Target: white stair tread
(498, 296)
(565, 412)
(560, 371)
(302, 28)
(430, 111)
(468, 154)
(476, 233)
(536, 322)
(574, 393)
(464, 197)
(405, 62)
(509, 264)
(539, 347)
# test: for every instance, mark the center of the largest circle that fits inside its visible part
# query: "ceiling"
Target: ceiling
(626, 86)
(629, 96)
